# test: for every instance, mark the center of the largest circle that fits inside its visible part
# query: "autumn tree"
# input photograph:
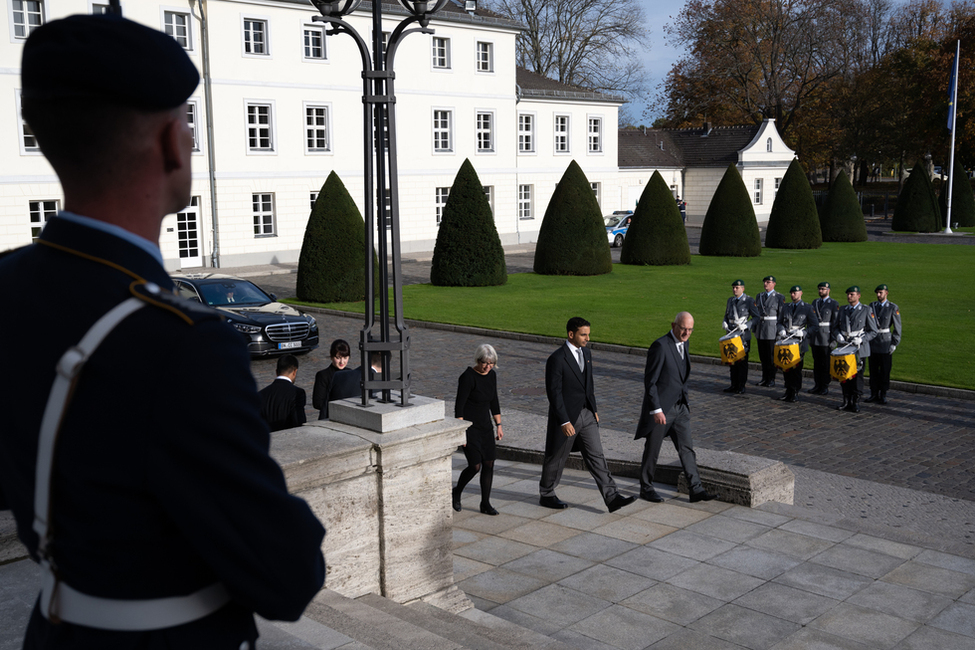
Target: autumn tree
(593, 44)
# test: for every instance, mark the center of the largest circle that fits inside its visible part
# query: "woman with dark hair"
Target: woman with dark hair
(339, 353)
(477, 402)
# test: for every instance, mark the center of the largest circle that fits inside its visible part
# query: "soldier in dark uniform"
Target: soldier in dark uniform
(822, 312)
(855, 324)
(793, 320)
(883, 345)
(164, 521)
(736, 315)
(765, 317)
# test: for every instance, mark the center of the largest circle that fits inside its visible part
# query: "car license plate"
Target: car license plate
(287, 345)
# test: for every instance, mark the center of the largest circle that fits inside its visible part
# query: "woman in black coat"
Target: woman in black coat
(339, 352)
(477, 402)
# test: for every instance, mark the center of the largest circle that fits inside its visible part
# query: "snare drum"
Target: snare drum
(843, 363)
(786, 355)
(732, 348)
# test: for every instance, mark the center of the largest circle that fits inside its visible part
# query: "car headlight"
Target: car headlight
(245, 328)
(312, 323)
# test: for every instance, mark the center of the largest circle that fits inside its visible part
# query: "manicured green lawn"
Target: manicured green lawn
(933, 284)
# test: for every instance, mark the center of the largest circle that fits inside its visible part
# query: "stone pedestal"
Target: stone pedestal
(379, 478)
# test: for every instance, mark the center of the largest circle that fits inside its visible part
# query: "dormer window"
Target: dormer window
(768, 145)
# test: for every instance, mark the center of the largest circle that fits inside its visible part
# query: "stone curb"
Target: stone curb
(907, 387)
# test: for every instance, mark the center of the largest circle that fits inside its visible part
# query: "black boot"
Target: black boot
(455, 500)
(853, 407)
(873, 398)
(792, 396)
(730, 389)
(814, 390)
(846, 402)
(883, 397)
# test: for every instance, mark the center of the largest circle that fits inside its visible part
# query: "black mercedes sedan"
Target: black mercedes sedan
(270, 327)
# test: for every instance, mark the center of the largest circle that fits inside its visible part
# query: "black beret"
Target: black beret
(853, 289)
(880, 287)
(795, 288)
(824, 285)
(737, 283)
(769, 278)
(107, 58)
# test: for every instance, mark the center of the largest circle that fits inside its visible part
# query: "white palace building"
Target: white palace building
(280, 107)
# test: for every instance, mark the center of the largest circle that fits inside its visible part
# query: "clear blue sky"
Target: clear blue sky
(660, 58)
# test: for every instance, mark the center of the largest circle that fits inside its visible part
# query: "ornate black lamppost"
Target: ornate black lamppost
(381, 182)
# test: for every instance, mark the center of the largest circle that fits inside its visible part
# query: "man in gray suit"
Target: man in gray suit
(665, 412)
(573, 421)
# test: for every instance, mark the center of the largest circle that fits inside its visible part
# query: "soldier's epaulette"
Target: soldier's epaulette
(189, 311)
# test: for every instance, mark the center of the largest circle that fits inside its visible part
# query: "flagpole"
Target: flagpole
(953, 118)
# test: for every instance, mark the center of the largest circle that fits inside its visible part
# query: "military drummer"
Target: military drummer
(765, 315)
(883, 345)
(736, 315)
(822, 312)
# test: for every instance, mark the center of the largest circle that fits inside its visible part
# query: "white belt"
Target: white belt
(826, 324)
(884, 331)
(769, 317)
(58, 600)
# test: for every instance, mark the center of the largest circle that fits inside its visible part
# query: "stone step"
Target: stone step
(498, 630)
(303, 634)
(373, 627)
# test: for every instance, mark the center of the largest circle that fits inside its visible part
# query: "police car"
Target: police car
(616, 226)
(270, 327)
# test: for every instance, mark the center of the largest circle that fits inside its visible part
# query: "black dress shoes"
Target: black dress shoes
(488, 509)
(873, 398)
(814, 390)
(702, 496)
(883, 398)
(730, 389)
(455, 495)
(740, 390)
(651, 496)
(552, 502)
(619, 501)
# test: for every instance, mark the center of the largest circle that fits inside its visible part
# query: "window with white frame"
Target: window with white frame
(442, 140)
(316, 129)
(314, 42)
(595, 191)
(525, 202)
(26, 16)
(485, 132)
(260, 131)
(28, 142)
(193, 119)
(489, 193)
(768, 145)
(177, 25)
(526, 133)
(595, 135)
(40, 213)
(485, 57)
(441, 52)
(97, 9)
(561, 134)
(263, 205)
(758, 191)
(441, 201)
(255, 36)
(778, 181)
(313, 196)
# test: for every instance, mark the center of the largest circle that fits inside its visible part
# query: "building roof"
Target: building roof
(695, 147)
(531, 84)
(452, 11)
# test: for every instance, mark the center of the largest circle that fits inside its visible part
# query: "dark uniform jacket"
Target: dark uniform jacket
(888, 318)
(162, 480)
(765, 311)
(855, 322)
(821, 315)
(794, 317)
(738, 310)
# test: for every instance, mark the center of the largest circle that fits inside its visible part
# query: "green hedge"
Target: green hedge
(842, 217)
(793, 221)
(468, 252)
(656, 235)
(572, 238)
(917, 207)
(730, 228)
(962, 200)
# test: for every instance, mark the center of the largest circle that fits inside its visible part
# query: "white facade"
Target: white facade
(287, 110)
(762, 164)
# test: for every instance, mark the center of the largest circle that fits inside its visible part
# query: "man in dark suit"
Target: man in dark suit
(573, 420)
(187, 527)
(665, 412)
(283, 403)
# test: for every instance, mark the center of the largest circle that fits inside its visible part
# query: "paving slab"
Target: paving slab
(811, 639)
(872, 564)
(755, 562)
(728, 528)
(624, 628)
(593, 547)
(786, 602)
(823, 580)
(934, 579)
(500, 585)
(687, 639)
(958, 618)
(495, 550)
(864, 625)
(947, 561)
(898, 600)
(930, 638)
(692, 545)
(716, 582)
(674, 604)
(745, 627)
(607, 583)
(539, 533)
(560, 605)
(548, 565)
(789, 543)
(652, 563)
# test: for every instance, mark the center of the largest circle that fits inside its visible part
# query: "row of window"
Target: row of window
(758, 196)
(28, 15)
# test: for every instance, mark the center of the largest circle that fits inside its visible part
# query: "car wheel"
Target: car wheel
(618, 241)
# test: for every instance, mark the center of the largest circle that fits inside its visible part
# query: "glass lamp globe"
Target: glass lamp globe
(336, 8)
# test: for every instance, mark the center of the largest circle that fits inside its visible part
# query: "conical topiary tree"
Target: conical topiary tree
(656, 235)
(793, 221)
(917, 207)
(730, 228)
(842, 217)
(331, 265)
(572, 238)
(962, 200)
(468, 252)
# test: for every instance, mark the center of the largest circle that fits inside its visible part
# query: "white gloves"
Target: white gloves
(839, 338)
(892, 348)
(857, 341)
(799, 334)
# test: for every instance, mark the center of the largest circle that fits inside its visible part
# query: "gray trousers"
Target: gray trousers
(557, 450)
(678, 429)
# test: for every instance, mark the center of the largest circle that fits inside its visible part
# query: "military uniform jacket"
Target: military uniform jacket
(888, 325)
(859, 321)
(822, 313)
(736, 312)
(765, 312)
(162, 481)
(792, 318)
